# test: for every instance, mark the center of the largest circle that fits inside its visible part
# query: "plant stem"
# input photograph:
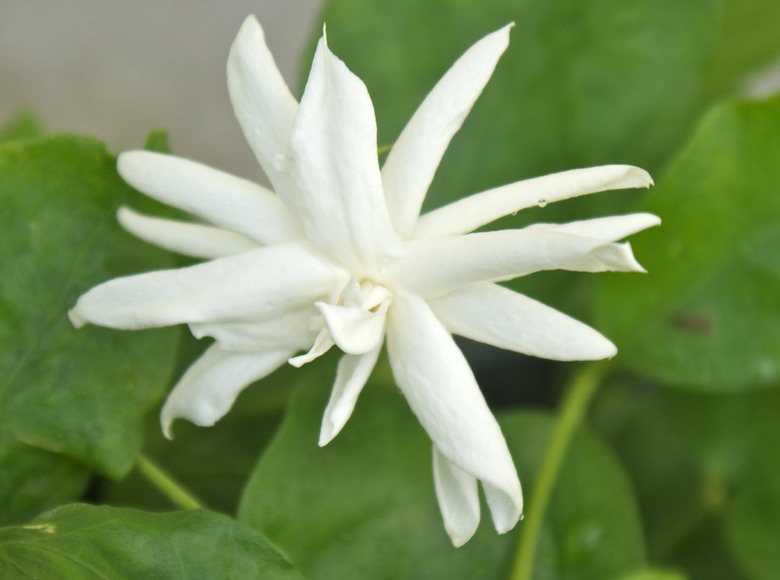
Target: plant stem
(579, 394)
(167, 485)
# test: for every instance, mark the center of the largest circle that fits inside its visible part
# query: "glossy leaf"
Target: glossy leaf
(364, 505)
(81, 541)
(79, 393)
(708, 314)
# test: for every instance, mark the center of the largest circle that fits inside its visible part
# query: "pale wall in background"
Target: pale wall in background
(117, 69)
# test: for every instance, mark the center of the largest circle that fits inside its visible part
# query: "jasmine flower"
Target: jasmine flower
(338, 254)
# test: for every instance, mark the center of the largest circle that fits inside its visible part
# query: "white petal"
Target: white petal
(609, 229)
(351, 376)
(219, 198)
(333, 148)
(497, 316)
(208, 388)
(607, 258)
(259, 284)
(355, 330)
(322, 344)
(470, 213)
(458, 499)
(416, 154)
(433, 267)
(441, 390)
(292, 330)
(188, 239)
(263, 104)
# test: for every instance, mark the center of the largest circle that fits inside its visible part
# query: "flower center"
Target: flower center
(355, 323)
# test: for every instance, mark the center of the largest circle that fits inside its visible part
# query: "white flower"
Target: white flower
(340, 255)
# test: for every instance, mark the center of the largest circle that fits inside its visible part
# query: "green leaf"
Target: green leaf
(157, 141)
(705, 468)
(708, 314)
(747, 40)
(752, 517)
(81, 541)
(79, 393)
(23, 127)
(654, 574)
(753, 524)
(34, 480)
(364, 506)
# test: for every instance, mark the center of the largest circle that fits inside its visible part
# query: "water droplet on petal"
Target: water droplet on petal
(541, 202)
(282, 163)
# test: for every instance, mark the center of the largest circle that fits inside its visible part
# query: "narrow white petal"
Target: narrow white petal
(292, 330)
(433, 267)
(208, 388)
(416, 154)
(607, 258)
(188, 239)
(470, 213)
(441, 390)
(333, 149)
(351, 376)
(497, 316)
(219, 198)
(355, 330)
(609, 229)
(258, 284)
(263, 103)
(322, 344)
(458, 499)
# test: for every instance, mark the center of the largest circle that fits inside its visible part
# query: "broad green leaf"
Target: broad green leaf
(24, 126)
(81, 541)
(705, 467)
(708, 314)
(34, 480)
(79, 393)
(364, 506)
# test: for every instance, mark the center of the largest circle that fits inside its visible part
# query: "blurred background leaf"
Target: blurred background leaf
(706, 469)
(81, 541)
(23, 127)
(708, 317)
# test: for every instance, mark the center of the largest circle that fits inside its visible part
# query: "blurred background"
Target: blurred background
(115, 70)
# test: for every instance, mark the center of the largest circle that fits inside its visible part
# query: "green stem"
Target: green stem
(167, 485)
(580, 392)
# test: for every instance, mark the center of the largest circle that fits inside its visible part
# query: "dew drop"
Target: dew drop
(282, 163)
(541, 202)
